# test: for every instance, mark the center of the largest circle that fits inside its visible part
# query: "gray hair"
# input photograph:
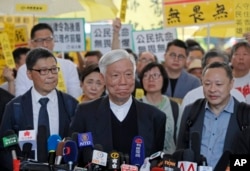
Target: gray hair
(114, 56)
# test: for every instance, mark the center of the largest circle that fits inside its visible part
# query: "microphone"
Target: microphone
(146, 165)
(137, 154)
(187, 164)
(70, 153)
(52, 142)
(27, 136)
(114, 160)
(156, 158)
(59, 152)
(223, 162)
(27, 147)
(196, 145)
(99, 157)
(10, 142)
(42, 148)
(85, 140)
(169, 163)
(204, 166)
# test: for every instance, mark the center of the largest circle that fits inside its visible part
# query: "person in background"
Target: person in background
(154, 81)
(116, 119)
(194, 52)
(216, 122)
(22, 112)
(42, 36)
(240, 60)
(180, 82)
(92, 83)
(195, 68)
(91, 57)
(19, 55)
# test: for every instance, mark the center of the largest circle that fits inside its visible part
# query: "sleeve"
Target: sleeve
(23, 83)
(160, 126)
(71, 78)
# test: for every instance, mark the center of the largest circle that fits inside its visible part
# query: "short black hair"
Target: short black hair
(37, 53)
(18, 52)
(40, 26)
(179, 43)
(213, 54)
(162, 71)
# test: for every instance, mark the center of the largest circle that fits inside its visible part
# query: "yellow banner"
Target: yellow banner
(123, 10)
(9, 28)
(61, 82)
(7, 52)
(242, 17)
(31, 7)
(2, 65)
(21, 36)
(197, 12)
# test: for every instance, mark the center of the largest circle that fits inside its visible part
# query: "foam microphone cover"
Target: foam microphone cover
(59, 152)
(70, 151)
(137, 154)
(26, 150)
(188, 155)
(42, 155)
(196, 145)
(53, 141)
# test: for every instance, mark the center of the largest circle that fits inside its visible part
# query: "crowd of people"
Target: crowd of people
(118, 95)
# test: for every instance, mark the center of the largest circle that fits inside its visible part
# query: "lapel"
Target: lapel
(27, 109)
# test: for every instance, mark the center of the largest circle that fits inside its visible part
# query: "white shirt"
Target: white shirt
(71, 78)
(243, 85)
(122, 110)
(52, 108)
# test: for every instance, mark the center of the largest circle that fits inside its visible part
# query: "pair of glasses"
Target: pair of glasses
(45, 71)
(179, 57)
(42, 40)
(154, 76)
(143, 60)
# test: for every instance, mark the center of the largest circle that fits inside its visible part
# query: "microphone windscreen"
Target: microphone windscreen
(137, 155)
(196, 145)
(26, 150)
(53, 141)
(59, 149)
(70, 151)
(188, 155)
(74, 137)
(178, 155)
(223, 162)
(42, 154)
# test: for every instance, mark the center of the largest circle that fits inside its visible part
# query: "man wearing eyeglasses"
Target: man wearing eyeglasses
(42, 69)
(180, 82)
(42, 36)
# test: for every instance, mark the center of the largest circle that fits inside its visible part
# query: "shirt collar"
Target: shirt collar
(229, 108)
(38, 96)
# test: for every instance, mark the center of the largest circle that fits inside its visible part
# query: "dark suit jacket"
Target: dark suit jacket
(24, 118)
(95, 117)
(232, 131)
(5, 97)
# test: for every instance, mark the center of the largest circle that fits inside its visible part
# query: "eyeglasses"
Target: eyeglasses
(45, 71)
(154, 76)
(143, 60)
(41, 40)
(174, 56)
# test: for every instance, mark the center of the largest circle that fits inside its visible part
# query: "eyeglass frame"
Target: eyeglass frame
(46, 70)
(173, 55)
(154, 76)
(41, 40)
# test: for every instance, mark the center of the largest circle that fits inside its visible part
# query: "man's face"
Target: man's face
(175, 58)
(120, 80)
(216, 87)
(144, 59)
(44, 84)
(43, 38)
(192, 55)
(241, 59)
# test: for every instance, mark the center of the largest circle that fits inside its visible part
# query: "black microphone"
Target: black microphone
(114, 160)
(26, 150)
(188, 161)
(10, 142)
(99, 157)
(42, 155)
(223, 162)
(196, 145)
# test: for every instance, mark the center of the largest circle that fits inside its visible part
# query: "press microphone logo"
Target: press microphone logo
(10, 140)
(27, 136)
(114, 157)
(85, 139)
(66, 151)
(187, 166)
(240, 162)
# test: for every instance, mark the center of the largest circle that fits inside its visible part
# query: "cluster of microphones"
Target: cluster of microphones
(79, 153)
